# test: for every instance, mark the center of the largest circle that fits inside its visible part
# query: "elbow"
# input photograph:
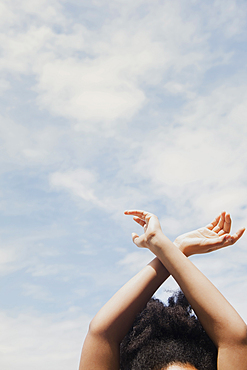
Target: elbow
(94, 327)
(97, 328)
(238, 336)
(105, 330)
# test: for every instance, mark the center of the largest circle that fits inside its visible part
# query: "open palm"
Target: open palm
(214, 236)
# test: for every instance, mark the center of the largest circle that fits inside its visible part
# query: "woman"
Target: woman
(223, 325)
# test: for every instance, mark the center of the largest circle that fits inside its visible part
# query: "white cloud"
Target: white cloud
(112, 196)
(79, 182)
(182, 156)
(89, 91)
(97, 78)
(106, 86)
(16, 12)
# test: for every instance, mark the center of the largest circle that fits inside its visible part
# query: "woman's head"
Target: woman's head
(163, 336)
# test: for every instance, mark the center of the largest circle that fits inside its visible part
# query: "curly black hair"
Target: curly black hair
(162, 335)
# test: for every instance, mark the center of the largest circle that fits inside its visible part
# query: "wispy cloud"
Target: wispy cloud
(38, 341)
(79, 182)
(106, 106)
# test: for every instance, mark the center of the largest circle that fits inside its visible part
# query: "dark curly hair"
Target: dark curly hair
(162, 335)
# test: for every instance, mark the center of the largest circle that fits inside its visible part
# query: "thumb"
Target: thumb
(135, 238)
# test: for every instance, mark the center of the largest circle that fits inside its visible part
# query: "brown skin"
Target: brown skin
(110, 325)
(220, 320)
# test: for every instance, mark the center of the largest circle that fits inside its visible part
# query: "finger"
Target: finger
(139, 221)
(226, 226)
(221, 232)
(236, 236)
(227, 223)
(213, 223)
(135, 212)
(227, 239)
(140, 214)
(138, 240)
(135, 237)
(223, 241)
(220, 224)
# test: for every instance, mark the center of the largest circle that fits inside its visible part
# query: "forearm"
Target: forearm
(117, 315)
(110, 325)
(218, 317)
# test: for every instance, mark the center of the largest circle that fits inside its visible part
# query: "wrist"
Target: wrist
(156, 240)
(184, 250)
(160, 242)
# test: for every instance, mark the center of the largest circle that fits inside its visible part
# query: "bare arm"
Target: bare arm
(113, 321)
(111, 324)
(220, 320)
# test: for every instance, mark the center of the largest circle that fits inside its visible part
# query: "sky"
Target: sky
(106, 106)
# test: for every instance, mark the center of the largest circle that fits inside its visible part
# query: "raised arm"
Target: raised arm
(113, 321)
(220, 320)
(111, 324)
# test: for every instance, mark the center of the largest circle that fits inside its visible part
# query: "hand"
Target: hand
(151, 226)
(209, 238)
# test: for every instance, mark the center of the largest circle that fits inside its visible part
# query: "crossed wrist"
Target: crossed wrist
(158, 242)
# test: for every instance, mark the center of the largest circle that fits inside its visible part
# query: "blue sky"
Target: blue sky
(107, 106)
